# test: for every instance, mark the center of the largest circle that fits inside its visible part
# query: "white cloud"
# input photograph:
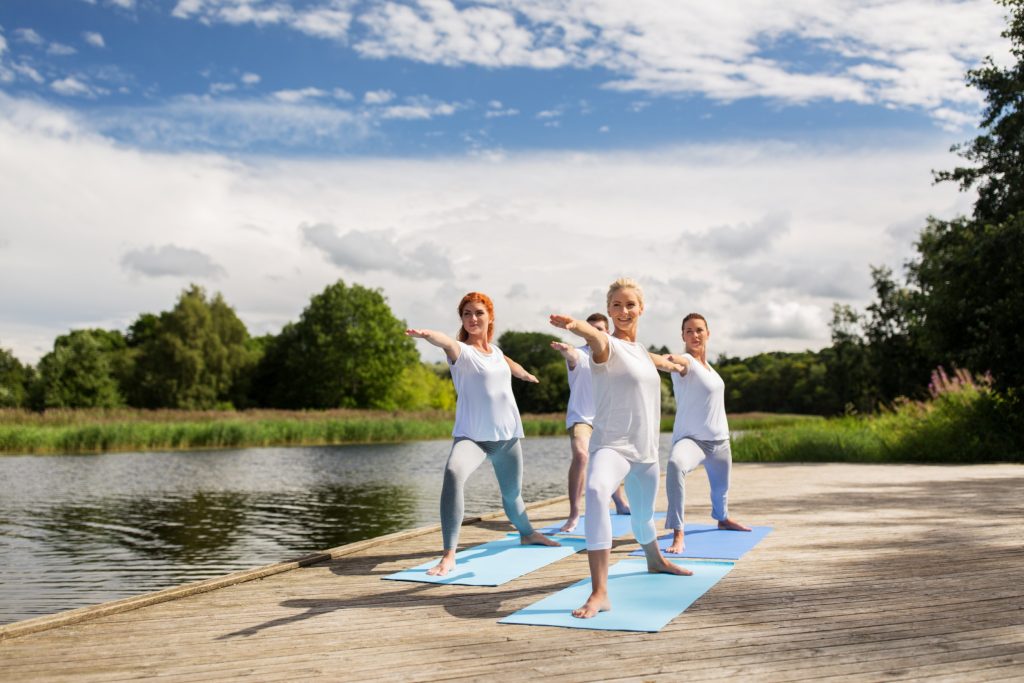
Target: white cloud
(293, 96)
(425, 231)
(218, 88)
(250, 78)
(123, 4)
(27, 35)
(361, 251)
(904, 53)
(328, 19)
(342, 94)
(190, 122)
(418, 108)
(500, 113)
(738, 240)
(378, 96)
(60, 50)
(72, 87)
(28, 72)
(790, 320)
(94, 39)
(171, 261)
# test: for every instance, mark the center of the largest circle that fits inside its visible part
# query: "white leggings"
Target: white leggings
(604, 472)
(687, 455)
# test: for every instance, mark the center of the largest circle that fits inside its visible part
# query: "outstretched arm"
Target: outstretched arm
(519, 372)
(670, 363)
(569, 353)
(440, 340)
(597, 339)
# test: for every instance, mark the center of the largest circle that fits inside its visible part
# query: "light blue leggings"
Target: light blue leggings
(467, 455)
(687, 455)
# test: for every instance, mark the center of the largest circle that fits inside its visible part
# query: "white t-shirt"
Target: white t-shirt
(700, 404)
(485, 409)
(581, 390)
(627, 402)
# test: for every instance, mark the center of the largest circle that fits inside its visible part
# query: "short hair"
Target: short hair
(482, 298)
(624, 283)
(596, 317)
(691, 316)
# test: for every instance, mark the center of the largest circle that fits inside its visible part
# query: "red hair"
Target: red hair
(477, 297)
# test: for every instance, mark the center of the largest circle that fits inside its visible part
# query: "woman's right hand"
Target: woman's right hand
(563, 321)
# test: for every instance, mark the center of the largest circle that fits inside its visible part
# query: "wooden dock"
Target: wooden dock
(872, 573)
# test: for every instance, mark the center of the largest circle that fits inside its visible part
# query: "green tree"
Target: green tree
(998, 152)
(82, 371)
(192, 356)
(533, 351)
(14, 378)
(347, 350)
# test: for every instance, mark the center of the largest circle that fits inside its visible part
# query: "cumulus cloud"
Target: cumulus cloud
(94, 39)
(27, 35)
(123, 4)
(171, 261)
(250, 78)
(60, 50)
(293, 96)
(741, 239)
(790, 320)
(378, 96)
(326, 19)
(363, 250)
(72, 87)
(837, 280)
(903, 53)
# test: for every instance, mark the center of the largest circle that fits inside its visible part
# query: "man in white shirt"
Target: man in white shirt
(579, 421)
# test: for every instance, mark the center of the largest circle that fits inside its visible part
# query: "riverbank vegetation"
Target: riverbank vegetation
(123, 429)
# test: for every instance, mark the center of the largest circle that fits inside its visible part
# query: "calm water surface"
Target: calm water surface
(80, 530)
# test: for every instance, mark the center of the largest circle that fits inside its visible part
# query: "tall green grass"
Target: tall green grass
(963, 426)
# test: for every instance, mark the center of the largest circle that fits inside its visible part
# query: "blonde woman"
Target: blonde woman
(627, 400)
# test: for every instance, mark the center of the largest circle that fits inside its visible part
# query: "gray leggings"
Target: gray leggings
(687, 455)
(467, 455)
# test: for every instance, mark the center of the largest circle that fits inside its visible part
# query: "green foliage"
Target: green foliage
(998, 151)
(971, 275)
(420, 388)
(777, 382)
(82, 371)
(965, 426)
(14, 379)
(533, 351)
(192, 356)
(346, 350)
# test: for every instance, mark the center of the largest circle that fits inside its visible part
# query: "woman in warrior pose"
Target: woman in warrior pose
(487, 423)
(579, 421)
(627, 399)
(700, 434)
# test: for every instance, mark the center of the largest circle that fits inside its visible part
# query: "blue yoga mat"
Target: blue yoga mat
(640, 601)
(494, 563)
(708, 541)
(621, 526)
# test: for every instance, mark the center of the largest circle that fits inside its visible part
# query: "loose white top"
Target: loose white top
(700, 404)
(581, 390)
(485, 409)
(627, 402)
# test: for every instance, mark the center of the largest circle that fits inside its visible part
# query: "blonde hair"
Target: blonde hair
(625, 283)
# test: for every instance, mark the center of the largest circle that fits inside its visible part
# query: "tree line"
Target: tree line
(959, 303)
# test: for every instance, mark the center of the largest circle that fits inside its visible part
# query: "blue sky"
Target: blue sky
(749, 159)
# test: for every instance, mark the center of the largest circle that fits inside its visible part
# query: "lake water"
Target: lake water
(78, 530)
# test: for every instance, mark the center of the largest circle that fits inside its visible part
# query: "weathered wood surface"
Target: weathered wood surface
(880, 573)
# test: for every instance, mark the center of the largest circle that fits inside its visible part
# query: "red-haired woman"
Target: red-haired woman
(487, 423)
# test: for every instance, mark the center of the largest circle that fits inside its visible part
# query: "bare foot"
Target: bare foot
(537, 538)
(594, 604)
(570, 525)
(665, 567)
(446, 564)
(678, 544)
(732, 525)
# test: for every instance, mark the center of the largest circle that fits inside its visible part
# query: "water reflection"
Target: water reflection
(79, 530)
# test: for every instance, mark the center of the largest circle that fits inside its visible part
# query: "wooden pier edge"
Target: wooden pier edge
(76, 616)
